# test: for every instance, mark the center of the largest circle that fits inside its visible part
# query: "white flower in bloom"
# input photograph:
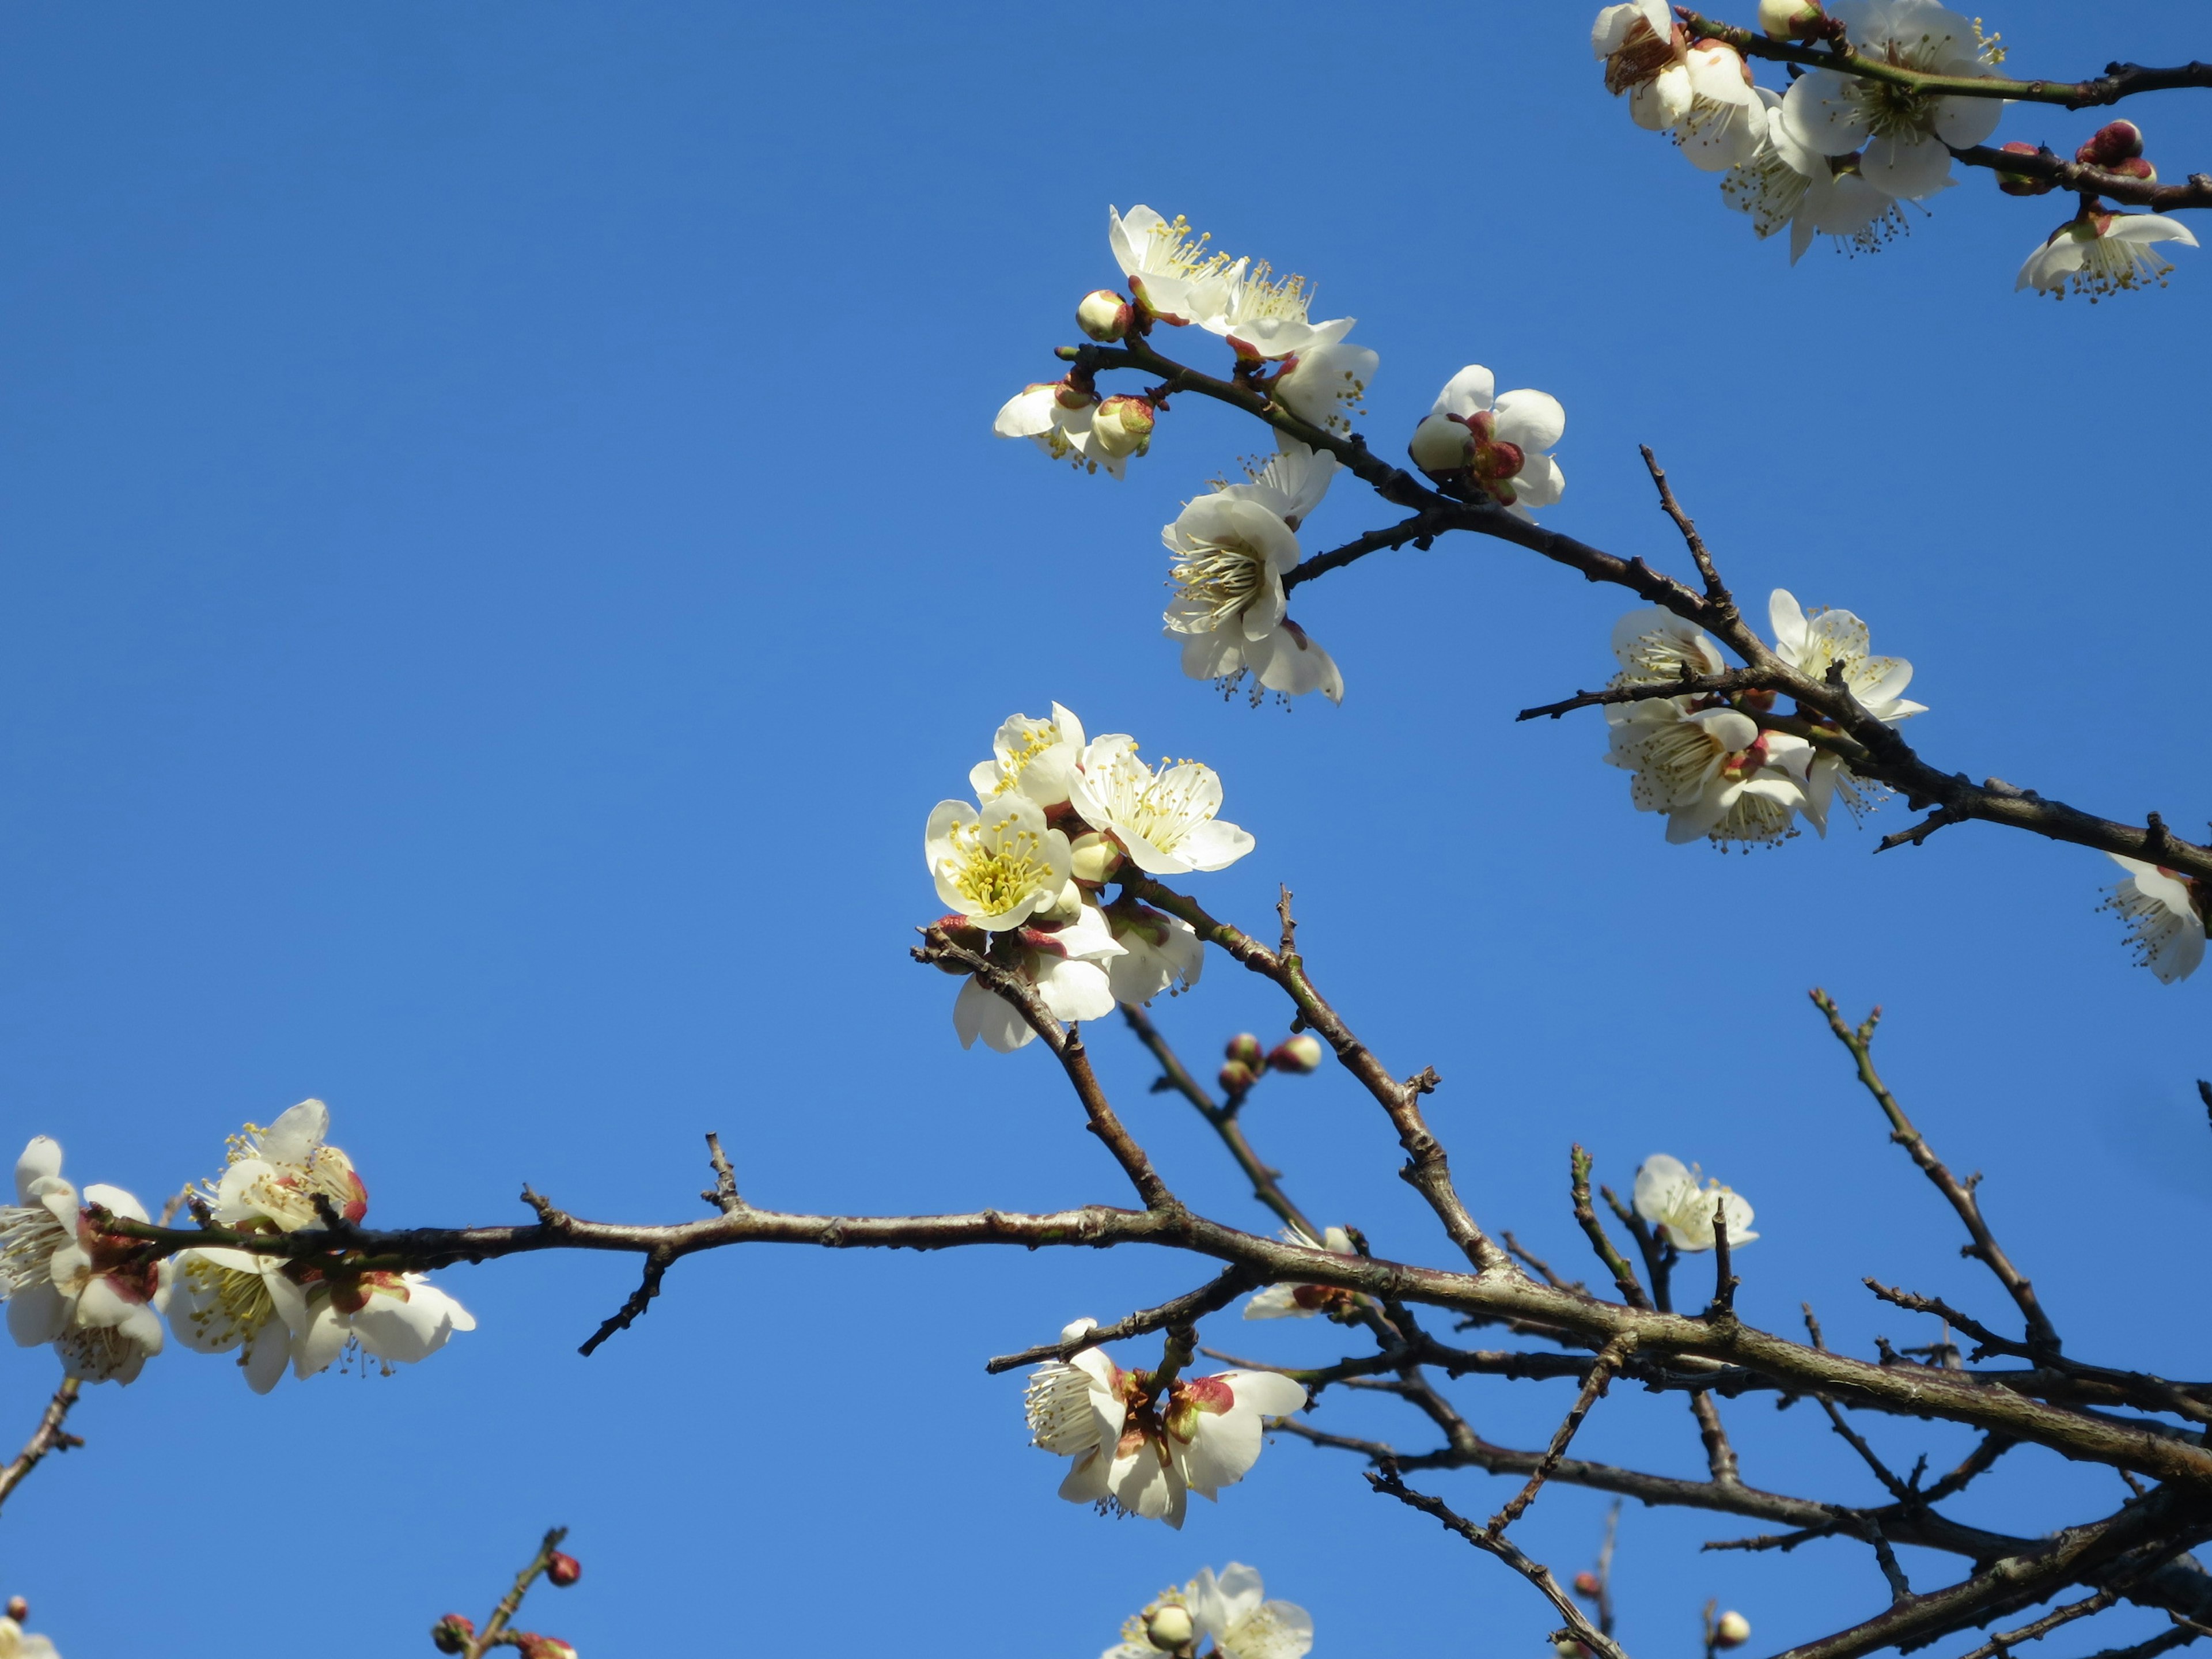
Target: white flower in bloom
(15, 1642)
(2164, 914)
(1712, 771)
(1908, 136)
(1230, 552)
(1812, 644)
(1265, 318)
(397, 1318)
(223, 1301)
(67, 1284)
(1493, 445)
(1160, 952)
(1786, 182)
(1304, 1301)
(1142, 1457)
(1035, 756)
(1290, 484)
(1658, 648)
(1233, 1610)
(1164, 820)
(999, 866)
(1054, 415)
(1169, 271)
(1063, 963)
(275, 1174)
(1725, 126)
(2102, 253)
(1680, 1212)
(1645, 56)
(1324, 385)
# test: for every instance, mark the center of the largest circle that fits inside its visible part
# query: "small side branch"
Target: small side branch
(1717, 593)
(1209, 1297)
(1624, 1276)
(723, 1194)
(1419, 529)
(657, 1263)
(48, 1437)
(1593, 1389)
(2004, 1641)
(510, 1604)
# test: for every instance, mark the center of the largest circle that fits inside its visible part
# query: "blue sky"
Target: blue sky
(503, 547)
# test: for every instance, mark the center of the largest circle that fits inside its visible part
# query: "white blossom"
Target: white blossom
(1164, 819)
(2165, 917)
(2102, 253)
(222, 1301)
(275, 1174)
(1813, 645)
(1712, 771)
(1063, 963)
(1304, 1301)
(1681, 1213)
(1169, 271)
(1725, 124)
(86, 1291)
(999, 866)
(397, 1318)
(1907, 134)
(1788, 182)
(1233, 1610)
(1054, 416)
(1646, 57)
(1656, 647)
(1264, 317)
(1229, 552)
(1493, 445)
(1160, 952)
(1035, 756)
(1324, 385)
(16, 1643)
(1144, 1457)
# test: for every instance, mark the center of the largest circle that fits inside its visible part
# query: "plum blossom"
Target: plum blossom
(1304, 1301)
(1035, 757)
(999, 866)
(1264, 318)
(1054, 414)
(223, 1302)
(1788, 182)
(1827, 640)
(2102, 253)
(1681, 1213)
(275, 1174)
(1160, 952)
(1230, 551)
(1493, 446)
(1656, 647)
(397, 1318)
(1322, 385)
(2166, 916)
(1907, 134)
(1712, 771)
(1139, 1455)
(67, 1283)
(1645, 55)
(1173, 276)
(1063, 962)
(1164, 819)
(1725, 126)
(1232, 1609)
(16, 1643)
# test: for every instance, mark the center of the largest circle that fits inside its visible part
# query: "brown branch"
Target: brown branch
(1693, 685)
(1594, 1388)
(1719, 1457)
(1210, 1297)
(657, 1263)
(511, 1603)
(1717, 592)
(2084, 179)
(2003, 1641)
(1422, 528)
(1624, 1276)
(723, 1194)
(48, 1437)
(1536, 1264)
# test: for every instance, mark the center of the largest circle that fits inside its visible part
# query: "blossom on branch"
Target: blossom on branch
(1680, 1212)
(2166, 916)
(1037, 758)
(1710, 770)
(1061, 961)
(1232, 1609)
(276, 1175)
(1725, 126)
(2102, 253)
(1164, 819)
(1786, 181)
(1656, 647)
(1493, 447)
(1304, 1301)
(1170, 273)
(68, 1282)
(1160, 952)
(1264, 318)
(396, 1318)
(999, 866)
(1837, 642)
(1054, 414)
(1907, 134)
(1646, 57)
(1323, 385)
(1138, 1450)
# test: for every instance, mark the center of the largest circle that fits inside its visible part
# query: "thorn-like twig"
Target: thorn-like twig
(46, 1437)
(1609, 1361)
(723, 1194)
(657, 1264)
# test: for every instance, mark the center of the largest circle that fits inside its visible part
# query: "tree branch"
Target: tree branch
(48, 1437)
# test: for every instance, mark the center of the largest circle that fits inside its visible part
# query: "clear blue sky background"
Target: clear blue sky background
(504, 547)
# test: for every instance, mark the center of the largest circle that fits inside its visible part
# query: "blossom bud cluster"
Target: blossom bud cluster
(1232, 1610)
(1708, 761)
(97, 1295)
(1059, 818)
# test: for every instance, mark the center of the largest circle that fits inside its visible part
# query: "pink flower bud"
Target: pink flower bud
(1170, 1628)
(18, 1608)
(2116, 141)
(535, 1646)
(563, 1570)
(2135, 168)
(1104, 315)
(968, 937)
(1586, 1585)
(1244, 1049)
(1122, 426)
(453, 1633)
(1732, 1629)
(1237, 1077)
(1298, 1054)
(2018, 184)
(1790, 20)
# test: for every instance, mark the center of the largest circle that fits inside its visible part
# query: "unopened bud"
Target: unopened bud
(1731, 1630)
(1586, 1585)
(1567, 1647)
(1063, 909)
(451, 1634)
(1122, 426)
(1237, 1077)
(2116, 141)
(1298, 1054)
(1169, 1627)
(1440, 444)
(1093, 858)
(562, 1570)
(18, 1608)
(1244, 1049)
(1103, 314)
(2135, 167)
(534, 1646)
(1790, 20)
(2018, 184)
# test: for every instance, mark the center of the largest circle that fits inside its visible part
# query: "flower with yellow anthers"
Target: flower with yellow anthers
(1170, 273)
(1067, 963)
(1053, 415)
(1034, 757)
(275, 1174)
(1828, 639)
(1904, 137)
(1324, 384)
(1265, 317)
(1656, 647)
(1712, 771)
(997, 867)
(2102, 253)
(1164, 819)
(1681, 1213)
(224, 1301)
(87, 1291)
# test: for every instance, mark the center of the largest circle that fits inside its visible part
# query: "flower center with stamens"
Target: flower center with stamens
(29, 1235)
(1162, 807)
(227, 1301)
(995, 872)
(1220, 578)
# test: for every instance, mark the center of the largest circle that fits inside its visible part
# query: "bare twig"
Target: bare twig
(1209, 1297)
(48, 1437)
(1593, 1387)
(1624, 1277)
(511, 1603)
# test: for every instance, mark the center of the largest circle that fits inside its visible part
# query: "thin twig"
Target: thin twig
(1624, 1276)
(1593, 1387)
(1717, 593)
(48, 1437)
(511, 1603)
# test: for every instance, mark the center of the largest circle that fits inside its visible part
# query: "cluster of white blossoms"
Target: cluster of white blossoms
(1138, 1448)
(93, 1295)
(1680, 1212)
(1232, 1611)
(1706, 761)
(1835, 153)
(1023, 872)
